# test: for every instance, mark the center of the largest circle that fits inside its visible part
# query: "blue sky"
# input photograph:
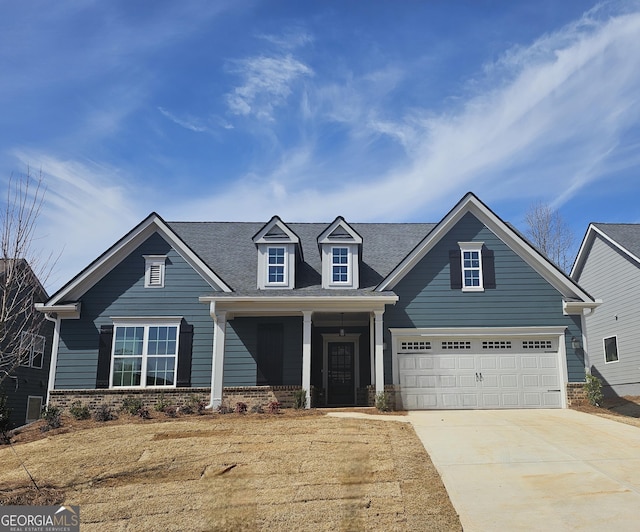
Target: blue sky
(377, 111)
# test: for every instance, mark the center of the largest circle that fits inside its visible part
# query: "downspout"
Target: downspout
(54, 351)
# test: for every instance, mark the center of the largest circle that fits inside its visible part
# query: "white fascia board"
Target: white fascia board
(530, 255)
(114, 255)
(66, 311)
(450, 332)
(587, 242)
(577, 307)
(294, 305)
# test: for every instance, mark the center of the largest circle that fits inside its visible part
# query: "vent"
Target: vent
(155, 275)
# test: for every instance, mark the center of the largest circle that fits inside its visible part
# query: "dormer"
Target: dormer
(277, 250)
(340, 248)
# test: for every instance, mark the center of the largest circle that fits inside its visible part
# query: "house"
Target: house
(26, 345)
(608, 265)
(464, 313)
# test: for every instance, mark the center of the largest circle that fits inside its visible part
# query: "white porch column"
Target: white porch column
(372, 348)
(217, 367)
(379, 351)
(306, 354)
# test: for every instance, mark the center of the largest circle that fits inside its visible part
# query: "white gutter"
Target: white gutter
(54, 354)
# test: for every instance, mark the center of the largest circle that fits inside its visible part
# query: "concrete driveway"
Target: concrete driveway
(535, 469)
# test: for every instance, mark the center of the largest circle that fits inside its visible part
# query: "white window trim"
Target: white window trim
(29, 398)
(152, 261)
(285, 273)
(349, 281)
(28, 363)
(146, 323)
(471, 246)
(604, 349)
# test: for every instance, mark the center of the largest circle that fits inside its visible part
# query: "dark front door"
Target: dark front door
(341, 383)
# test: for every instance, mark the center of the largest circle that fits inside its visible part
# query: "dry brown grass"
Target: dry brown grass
(253, 472)
(621, 409)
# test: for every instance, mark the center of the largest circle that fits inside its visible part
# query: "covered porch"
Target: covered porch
(330, 346)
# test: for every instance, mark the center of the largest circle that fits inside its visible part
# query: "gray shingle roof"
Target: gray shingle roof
(228, 249)
(627, 235)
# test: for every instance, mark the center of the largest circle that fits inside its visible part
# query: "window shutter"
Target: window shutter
(104, 356)
(488, 268)
(455, 268)
(185, 349)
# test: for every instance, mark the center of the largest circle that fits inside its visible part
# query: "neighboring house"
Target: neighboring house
(608, 266)
(29, 339)
(460, 314)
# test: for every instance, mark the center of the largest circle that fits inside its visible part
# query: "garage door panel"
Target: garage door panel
(467, 363)
(508, 381)
(489, 373)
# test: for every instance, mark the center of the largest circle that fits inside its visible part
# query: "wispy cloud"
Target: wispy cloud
(545, 122)
(86, 205)
(191, 123)
(266, 84)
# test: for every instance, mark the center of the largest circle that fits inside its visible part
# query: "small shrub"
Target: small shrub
(273, 407)
(104, 413)
(382, 402)
(79, 411)
(257, 409)
(162, 404)
(5, 412)
(51, 415)
(171, 411)
(197, 404)
(224, 409)
(300, 399)
(186, 409)
(593, 388)
(132, 405)
(241, 408)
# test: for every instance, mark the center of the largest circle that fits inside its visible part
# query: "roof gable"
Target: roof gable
(471, 204)
(624, 237)
(153, 223)
(275, 231)
(339, 231)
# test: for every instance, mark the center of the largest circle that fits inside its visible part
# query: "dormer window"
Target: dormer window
(154, 271)
(340, 265)
(278, 250)
(276, 265)
(340, 248)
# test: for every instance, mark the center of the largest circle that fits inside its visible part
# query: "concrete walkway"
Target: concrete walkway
(548, 470)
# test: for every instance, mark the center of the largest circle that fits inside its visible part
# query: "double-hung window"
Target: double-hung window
(31, 350)
(276, 265)
(145, 355)
(471, 257)
(340, 265)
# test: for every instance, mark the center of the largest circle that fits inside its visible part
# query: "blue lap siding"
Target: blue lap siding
(522, 297)
(240, 367)
(121, 293)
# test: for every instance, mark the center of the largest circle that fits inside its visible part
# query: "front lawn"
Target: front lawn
(234, 472)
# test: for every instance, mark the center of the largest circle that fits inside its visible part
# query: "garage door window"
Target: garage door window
(611, 349)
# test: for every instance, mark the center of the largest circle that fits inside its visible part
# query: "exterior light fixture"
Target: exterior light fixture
(576, 343)
(342, 324)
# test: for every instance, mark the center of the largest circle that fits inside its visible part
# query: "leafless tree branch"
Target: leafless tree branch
(548, 231)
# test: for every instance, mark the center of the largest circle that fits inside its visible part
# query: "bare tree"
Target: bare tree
(22, 272)
(548, 231)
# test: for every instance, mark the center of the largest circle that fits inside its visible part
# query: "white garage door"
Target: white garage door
(467, 373)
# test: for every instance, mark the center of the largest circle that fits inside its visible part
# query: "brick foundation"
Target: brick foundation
(251, 395)
(391, 392)
(576, 394)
